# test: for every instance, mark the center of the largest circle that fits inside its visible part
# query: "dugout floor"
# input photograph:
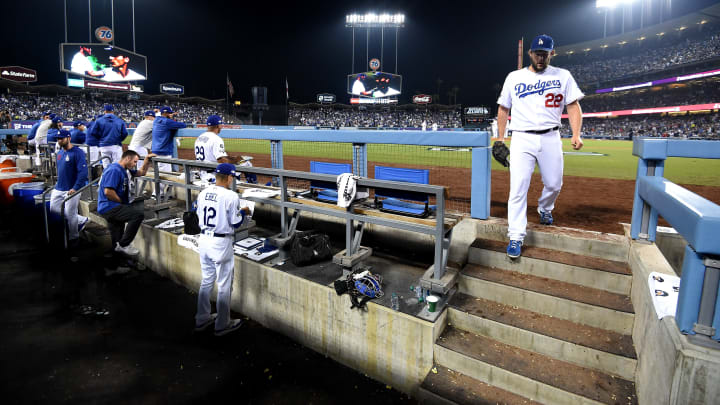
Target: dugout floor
(143, 350)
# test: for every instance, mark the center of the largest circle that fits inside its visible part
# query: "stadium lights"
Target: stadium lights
(611, 3)
(375, 20)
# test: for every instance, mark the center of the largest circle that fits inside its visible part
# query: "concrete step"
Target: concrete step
(578, 304)
(532, 375)
(579, 241)
(603, 350)
(454, 388)
(609, 275)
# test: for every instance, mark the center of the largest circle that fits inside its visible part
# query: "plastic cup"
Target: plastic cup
(432, 302)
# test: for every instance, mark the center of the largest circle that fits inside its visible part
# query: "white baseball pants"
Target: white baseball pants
(71, 212)
(217, 263)
(114, 152)
(525, 150)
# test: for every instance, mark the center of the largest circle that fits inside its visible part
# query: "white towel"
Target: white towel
(346, 183)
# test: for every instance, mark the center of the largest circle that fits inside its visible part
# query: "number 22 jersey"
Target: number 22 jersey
(537, 99)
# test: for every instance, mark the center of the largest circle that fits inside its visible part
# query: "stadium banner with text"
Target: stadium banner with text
(226, 126)
(662, 81)
(421, 99)
(18, 74)
(653, 110)
(373, 101)
(172, 89)
(326, 98)
(102, 62)
(107, 86)
(374, 84)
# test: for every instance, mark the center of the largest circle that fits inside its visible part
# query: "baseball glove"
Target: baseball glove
(501, 152)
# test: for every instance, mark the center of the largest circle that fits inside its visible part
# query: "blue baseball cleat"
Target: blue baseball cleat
(514, 249)
(545, 217)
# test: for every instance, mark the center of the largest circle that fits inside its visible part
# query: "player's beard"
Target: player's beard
(537, 69)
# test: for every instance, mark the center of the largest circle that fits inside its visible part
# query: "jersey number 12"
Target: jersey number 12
(208, 214)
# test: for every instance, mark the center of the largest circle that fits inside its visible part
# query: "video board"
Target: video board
(374, 84)
(102, 62)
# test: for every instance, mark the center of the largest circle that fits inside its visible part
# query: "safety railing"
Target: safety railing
(695, 218)
(353, 233)
(76, 194)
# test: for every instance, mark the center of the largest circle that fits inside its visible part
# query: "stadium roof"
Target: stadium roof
(710, 15)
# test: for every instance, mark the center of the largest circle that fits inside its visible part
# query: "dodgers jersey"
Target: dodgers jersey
(219, 210)
(537, 99)
(209, 147)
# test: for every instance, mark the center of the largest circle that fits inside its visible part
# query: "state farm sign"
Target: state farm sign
(421, 99)
(18, 74)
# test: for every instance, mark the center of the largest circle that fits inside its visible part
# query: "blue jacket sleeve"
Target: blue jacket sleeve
(123, 132)
(81, 166)
(176, 125)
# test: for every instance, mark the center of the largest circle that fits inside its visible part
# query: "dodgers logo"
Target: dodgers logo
(522, 89)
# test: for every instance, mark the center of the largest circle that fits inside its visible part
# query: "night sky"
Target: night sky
(466, 44)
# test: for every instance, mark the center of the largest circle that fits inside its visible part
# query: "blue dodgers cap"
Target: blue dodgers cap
(149, 113)
(166, 109)
(542, 43)
(225, 168)
(108, 107)
(64, 133)
(47, 113)
(214, 120)
(57, 119)
(51, 115)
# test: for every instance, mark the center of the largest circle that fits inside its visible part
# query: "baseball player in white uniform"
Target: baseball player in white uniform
(210, 148)
(219, 212)
(537, 96)
(142, 137)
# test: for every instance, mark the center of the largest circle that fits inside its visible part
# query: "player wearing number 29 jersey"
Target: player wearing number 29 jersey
(209, 147)
(535, 98)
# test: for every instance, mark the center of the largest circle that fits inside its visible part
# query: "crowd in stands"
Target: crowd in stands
(72, 108)
(694, 92)
(632, 60)
(705, 126)
(391, 118)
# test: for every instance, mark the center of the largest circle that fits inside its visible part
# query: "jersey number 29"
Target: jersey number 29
(199, 153)
(552, 100)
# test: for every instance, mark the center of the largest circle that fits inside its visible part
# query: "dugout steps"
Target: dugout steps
(553, 327)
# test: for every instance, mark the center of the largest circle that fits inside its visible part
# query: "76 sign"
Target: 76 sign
(104, 34)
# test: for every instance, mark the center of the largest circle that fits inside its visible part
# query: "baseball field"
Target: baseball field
(598, 158)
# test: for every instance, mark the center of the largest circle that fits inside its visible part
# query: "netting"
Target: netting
(447, 166)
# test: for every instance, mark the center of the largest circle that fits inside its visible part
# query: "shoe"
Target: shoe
(129, 250)
(545, 217)
(232, 326)
(81, 225)
(514, 249)
(120, 270)
(206, 324)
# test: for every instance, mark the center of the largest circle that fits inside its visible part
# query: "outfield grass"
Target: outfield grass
(618, 162)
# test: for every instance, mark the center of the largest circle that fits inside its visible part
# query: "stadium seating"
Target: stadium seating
(403, 202)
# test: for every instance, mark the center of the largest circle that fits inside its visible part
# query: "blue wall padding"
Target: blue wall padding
(691, 285)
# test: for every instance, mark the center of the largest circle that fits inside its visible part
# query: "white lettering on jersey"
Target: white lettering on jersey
(218, 210)
(209, 147)
(537, 100)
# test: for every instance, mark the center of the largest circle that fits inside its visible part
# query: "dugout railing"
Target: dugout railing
(354, 219)
(695, 218)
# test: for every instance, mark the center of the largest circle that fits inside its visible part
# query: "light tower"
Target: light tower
(370, 21)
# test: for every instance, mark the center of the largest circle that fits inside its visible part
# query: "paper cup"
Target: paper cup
(432, 302)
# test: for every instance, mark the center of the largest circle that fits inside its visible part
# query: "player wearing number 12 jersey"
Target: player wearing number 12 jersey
(537, 96)
(219, 212)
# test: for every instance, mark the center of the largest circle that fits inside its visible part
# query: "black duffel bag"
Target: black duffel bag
(309, 247)
(192, 223)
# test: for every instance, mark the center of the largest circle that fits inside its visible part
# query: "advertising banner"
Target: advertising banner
(18, 74)
(172, 89)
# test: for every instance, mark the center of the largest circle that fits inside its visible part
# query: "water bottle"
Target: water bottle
(395, 302)
(419, 293)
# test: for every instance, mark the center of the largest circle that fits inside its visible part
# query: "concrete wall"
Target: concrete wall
(389, 346)
(670, 369)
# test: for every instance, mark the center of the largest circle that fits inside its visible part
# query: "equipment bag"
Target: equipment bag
(192, 223)
(309, 247)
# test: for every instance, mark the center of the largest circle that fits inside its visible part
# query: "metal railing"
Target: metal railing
(288, 222)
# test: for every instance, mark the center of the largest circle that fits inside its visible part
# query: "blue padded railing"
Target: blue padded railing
(695, 218)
